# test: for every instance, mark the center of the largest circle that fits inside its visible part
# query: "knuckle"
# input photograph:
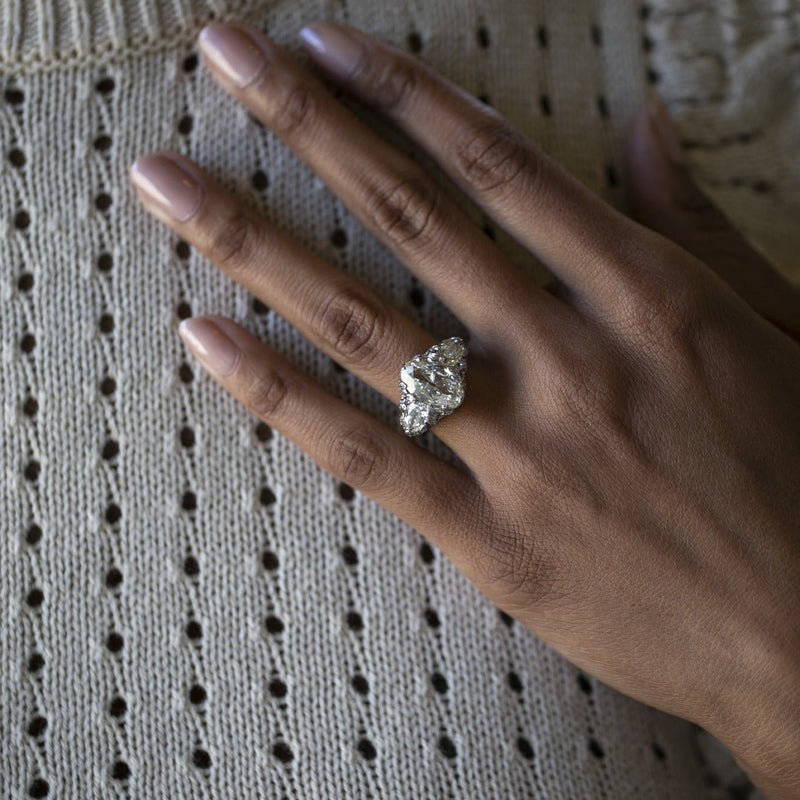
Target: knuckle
(519, 574)
(354, 325)
(672, 318)
(392, 81)
(235, 240)
(265, 392)
(297, 114)
(494, 157)
(405, 212)
(695, 318)
(360, 457)
(581, 387)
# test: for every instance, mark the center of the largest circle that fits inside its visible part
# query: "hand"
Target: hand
(629, 444)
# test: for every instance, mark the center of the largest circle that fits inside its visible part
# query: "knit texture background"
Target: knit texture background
(190, 606)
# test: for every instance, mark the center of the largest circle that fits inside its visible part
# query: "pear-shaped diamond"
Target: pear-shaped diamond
(432, 385)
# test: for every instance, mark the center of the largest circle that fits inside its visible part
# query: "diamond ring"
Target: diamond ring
(432, 385)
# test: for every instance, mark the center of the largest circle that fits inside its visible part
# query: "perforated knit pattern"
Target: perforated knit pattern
(190, 606)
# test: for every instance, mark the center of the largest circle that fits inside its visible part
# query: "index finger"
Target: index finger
(536, 199)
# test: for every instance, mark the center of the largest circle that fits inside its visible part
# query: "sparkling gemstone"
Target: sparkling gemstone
(432, 385)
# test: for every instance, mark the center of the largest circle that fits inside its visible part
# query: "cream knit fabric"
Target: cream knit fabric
(189, 606)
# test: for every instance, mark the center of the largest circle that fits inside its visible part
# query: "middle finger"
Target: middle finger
(347, 320)
(390, 194)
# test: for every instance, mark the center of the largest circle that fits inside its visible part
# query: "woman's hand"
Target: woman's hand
(629, 443)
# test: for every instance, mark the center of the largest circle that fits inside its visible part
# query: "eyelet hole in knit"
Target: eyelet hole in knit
(113, 513)
(14, 97)
(110, 449)
(426, 553)
(187, 437)
(33, 535)
(32, 470)
(274, 625)
(277, 688)
(282, 752)
(189, 501)
(259, 308)
(367, 749)
(113, 578)
(259, 180)
(595, 749)
(414, 42)
(39, 788)
(185, 373)
(354, 621)
(120, 771)
(417, 297)
(194, 630)
(16, 157)
(36, 727)
(339, 238)
(117, 707)
(35, 597)
(201, 758)
(263, 432)
(197, 694)
(269, 561)
(447, 747)
(105, 262)
(105, 85)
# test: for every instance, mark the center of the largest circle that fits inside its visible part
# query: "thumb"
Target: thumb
(664, 197)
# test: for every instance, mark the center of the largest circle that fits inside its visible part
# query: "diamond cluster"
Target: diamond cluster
(432, 385)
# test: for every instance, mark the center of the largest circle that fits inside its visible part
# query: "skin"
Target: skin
(629, 445)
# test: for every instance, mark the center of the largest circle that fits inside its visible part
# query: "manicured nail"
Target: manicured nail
(239, 57)
(215, 350)
(167, 186)
(334, 48)
(665, 129)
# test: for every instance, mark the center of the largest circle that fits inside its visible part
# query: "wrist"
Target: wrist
(758, 719)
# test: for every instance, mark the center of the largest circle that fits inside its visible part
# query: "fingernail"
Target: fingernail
(240, 59)
(215, 350)
(167, 186)
(665, 129)
(334, 48)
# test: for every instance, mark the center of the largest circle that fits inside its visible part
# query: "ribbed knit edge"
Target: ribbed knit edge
(39, 35)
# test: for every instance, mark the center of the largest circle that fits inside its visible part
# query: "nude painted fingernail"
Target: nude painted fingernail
(665, 129)
(212, 347)
(239, 57)
(167, 186)
(334, 48)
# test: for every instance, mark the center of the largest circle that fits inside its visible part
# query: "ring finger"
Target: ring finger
(435, 497)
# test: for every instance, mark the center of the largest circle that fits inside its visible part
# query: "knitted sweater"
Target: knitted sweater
(189, 605)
